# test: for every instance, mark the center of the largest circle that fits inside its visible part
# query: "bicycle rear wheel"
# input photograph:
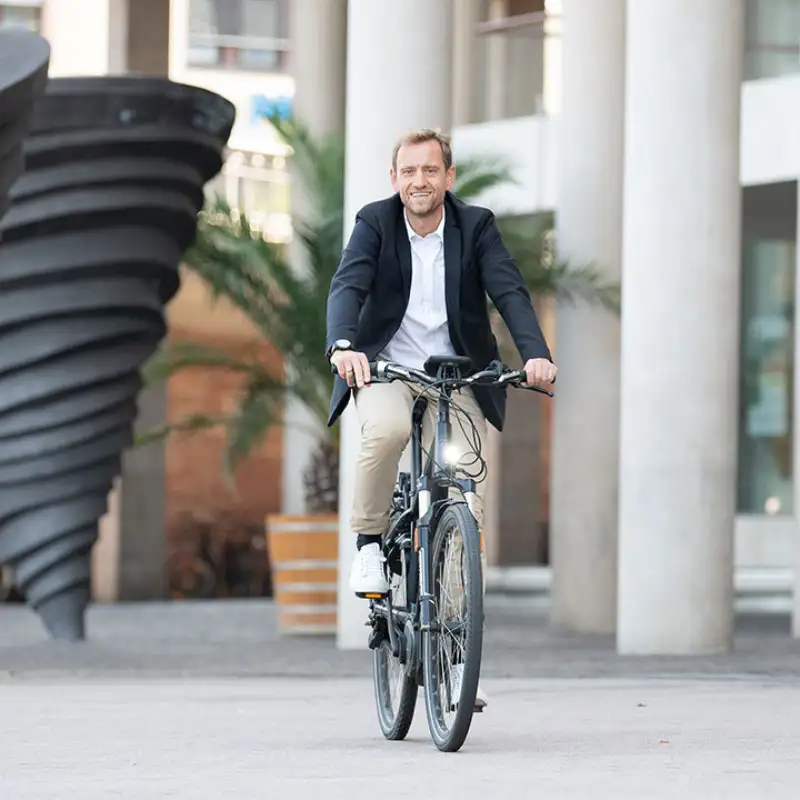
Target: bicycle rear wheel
(395, 693)
(395, 678)
(452, 651)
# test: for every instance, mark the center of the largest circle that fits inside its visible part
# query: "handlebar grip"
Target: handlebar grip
(373, 369)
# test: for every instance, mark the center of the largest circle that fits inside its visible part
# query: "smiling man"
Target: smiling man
(413, 281)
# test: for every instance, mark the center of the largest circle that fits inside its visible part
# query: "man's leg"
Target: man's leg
(384, 413)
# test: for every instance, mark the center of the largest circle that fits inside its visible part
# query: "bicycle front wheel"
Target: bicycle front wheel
(452, 650)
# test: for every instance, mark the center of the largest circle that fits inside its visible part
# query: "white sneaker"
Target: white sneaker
(367, 575)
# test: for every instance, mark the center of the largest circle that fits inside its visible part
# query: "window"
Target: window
(772, 31)
(259, 185)
(21, 14)
(767, 398)
(238, 34)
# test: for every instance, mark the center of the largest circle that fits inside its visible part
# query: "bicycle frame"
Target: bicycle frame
(435, 477)
(424, 494)
(422, 500)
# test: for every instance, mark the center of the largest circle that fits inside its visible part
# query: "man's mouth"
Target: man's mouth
(420, 195)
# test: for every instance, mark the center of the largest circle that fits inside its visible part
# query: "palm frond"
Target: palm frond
(191, 423)
(532, 244)
(477, 175)
(258, 410)
(172, 357)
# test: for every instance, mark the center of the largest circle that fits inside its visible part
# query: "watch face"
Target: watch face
(342, 344)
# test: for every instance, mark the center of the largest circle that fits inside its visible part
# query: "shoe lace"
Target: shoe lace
(370, 563)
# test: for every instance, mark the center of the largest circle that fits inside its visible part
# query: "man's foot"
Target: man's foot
(481, 700)
(456, 676)
(367, 576)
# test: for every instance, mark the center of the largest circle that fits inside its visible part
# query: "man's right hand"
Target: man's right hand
(352, 366)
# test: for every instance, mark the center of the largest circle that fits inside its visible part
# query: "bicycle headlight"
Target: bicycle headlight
(452, 454)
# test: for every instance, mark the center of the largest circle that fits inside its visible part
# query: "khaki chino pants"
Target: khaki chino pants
(384, 413)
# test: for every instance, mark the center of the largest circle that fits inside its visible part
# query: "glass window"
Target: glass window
(238, 34)
(21, 15)
(260, 186)
(772, 34)
(264, 195)
(767, 377)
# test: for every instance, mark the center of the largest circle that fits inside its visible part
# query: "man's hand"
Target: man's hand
(540, 372)
(352, 366)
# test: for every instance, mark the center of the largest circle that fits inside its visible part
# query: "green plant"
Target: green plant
(287, 304)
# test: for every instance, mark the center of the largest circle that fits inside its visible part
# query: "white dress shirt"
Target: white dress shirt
(423, 331)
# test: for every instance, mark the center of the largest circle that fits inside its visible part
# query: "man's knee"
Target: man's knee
(385, 437)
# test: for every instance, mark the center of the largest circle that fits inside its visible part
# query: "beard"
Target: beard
(422, 206)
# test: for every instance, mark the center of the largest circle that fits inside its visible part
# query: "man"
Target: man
(412, 282)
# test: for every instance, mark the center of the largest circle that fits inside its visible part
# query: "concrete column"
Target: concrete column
(318, 30)
(583, 532)
(88, 37)
(496, 65)
(680, 326)
(398, 78)
(491, 502)
(466, 80)
(796, 429)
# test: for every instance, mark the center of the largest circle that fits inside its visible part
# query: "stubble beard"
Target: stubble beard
(420, 210)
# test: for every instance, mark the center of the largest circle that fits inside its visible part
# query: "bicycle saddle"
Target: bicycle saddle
(462, 363)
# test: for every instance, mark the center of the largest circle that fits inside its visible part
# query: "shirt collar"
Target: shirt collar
(412, 234)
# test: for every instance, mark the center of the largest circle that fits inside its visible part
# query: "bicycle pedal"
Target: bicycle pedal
(370, 595)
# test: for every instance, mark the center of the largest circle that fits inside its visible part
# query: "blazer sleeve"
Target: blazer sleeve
(351, 282)
(505, 286)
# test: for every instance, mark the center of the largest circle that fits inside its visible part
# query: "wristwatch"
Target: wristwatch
(339, 344)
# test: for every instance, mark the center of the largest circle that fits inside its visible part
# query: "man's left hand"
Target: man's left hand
(540, 372)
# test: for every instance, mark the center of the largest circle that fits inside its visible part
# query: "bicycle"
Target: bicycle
(414, 615)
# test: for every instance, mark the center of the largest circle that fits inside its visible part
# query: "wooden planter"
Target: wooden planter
(303, 554)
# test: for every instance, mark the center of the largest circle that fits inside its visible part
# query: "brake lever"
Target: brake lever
(536, 389)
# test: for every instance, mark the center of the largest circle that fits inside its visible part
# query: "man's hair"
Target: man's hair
(420, 137)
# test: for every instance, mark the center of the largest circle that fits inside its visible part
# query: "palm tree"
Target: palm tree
(288, 305)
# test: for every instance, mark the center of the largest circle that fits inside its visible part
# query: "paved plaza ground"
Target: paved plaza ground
(204, 700)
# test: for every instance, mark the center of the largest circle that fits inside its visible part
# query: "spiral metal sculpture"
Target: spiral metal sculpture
(24, 61)
(89, 256)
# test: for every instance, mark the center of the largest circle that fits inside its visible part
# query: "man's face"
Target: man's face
(421, 178)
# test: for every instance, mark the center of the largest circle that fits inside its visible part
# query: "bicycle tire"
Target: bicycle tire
(456, 515)
(395, 724)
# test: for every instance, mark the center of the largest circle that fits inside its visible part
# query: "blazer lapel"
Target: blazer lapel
(452, 273)
(403, 248)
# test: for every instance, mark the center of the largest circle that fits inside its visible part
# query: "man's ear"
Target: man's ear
(451, 176)
(393, 179)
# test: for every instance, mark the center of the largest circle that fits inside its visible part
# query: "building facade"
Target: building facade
(672, 476)
(665, 145)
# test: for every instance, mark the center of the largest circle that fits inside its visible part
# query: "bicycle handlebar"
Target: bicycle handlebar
(496, 374)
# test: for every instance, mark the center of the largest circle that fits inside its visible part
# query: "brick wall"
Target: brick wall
(196, 484)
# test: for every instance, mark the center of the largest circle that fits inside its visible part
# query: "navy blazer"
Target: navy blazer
(369, 292)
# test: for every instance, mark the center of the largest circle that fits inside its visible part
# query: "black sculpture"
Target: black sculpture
(115, 169)
(24, 61)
